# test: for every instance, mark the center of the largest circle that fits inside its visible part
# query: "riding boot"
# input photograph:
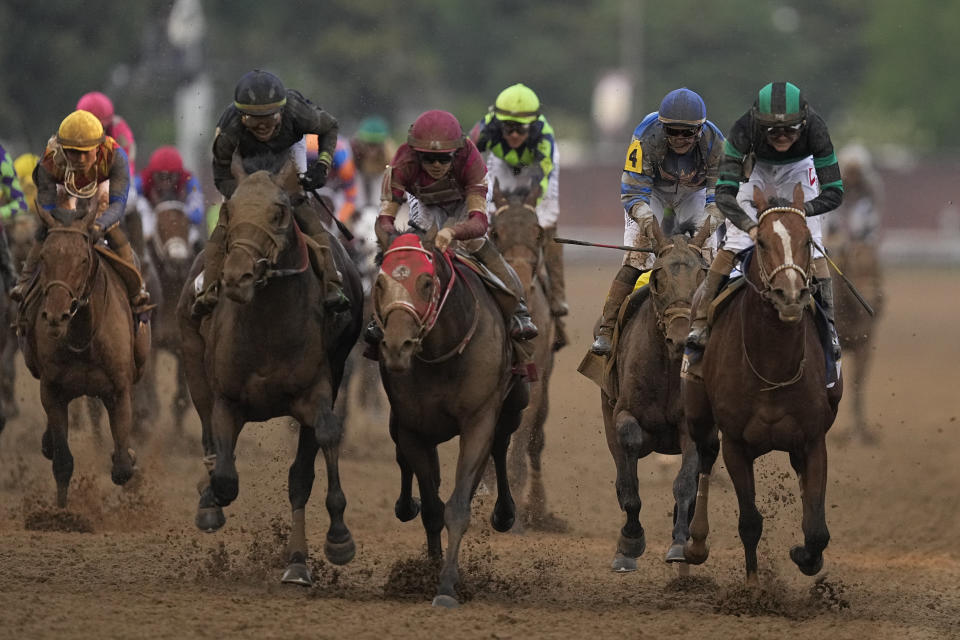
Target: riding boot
(139, 297)
(30, 265)
(826, 302)
(214, 253)
(553, 258)
(705, 295)
(623, 283)
(515, 311)
(373, 336)
(7, 271)
(309, 220)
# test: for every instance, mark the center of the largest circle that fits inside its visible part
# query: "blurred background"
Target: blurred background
(880, 75)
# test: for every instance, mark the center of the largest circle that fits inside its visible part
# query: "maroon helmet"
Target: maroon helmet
(435, 131)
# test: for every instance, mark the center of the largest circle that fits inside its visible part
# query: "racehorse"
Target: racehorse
(269, 349)
(764, 387)
(78, 338)
(856, 327)
(21, 235)
(517, 233)
(643, 413)
(170, 250)
(446, 365)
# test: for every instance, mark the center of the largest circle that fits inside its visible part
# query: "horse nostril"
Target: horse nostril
(246, 279)
(43, 314)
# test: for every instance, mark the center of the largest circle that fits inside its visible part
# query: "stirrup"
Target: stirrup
(601, 346)
(373, 334)
(336, 301)
(522, 328)
(697, 338)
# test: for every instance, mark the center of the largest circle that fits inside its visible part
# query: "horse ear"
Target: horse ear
(798, 196)
(498, 198)
(288, 178)
(702, 233)
(658, 236)
(236, 167)
(759, 198)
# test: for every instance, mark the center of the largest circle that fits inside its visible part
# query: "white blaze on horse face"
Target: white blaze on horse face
(784, 235)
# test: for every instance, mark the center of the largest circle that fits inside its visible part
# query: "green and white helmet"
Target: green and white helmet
(780, 103)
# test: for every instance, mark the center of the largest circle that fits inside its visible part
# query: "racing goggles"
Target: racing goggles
(681, 132)
(433, 158)
(511, 126)
(783, 129)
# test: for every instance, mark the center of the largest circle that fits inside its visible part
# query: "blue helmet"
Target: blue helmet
(682, 108)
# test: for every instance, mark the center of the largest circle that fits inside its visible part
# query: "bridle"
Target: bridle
(766, 279)
(277, 241)
(77, 302)
(667, 312)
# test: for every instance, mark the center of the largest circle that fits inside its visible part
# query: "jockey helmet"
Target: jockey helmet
(517, 102)
(854, 155)
(24, 165)
(373, 130)
(682, 108)
(259, 93)
(99, 105)
(780, 104)
(435, 131)
(81, 130)
(166, 159)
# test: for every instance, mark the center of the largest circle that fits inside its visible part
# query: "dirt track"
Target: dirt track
(892, 568)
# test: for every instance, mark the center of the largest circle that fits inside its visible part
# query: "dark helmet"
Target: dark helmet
(780, 103)
(259, 93)
(682, 108)
(435, 131)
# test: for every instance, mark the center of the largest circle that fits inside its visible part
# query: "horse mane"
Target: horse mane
(774, 201)
(269, 162)
(412, 227)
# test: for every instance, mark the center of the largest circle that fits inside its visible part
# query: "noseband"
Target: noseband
(767, 278)
(77, 302)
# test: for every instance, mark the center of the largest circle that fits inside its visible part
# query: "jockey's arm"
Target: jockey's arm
(731, 174)
(119, 188)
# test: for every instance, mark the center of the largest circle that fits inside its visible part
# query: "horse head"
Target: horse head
(678, 270)
(172, 236)
(68, 265)
(363, 247)
(260, 226)
(21, 234)
(783, 259)
(408, 282)
(517, 232)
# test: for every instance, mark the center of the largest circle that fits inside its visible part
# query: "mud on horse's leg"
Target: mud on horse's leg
(55, 446)
(684, 496)
(707, 440)
(120, 410)
(226, 423)
(631, 446)
(813, 484)
(740, 467)
(407, 507)
(299, 486)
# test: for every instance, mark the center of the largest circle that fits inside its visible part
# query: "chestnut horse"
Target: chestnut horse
(446, 365)
(270, 349)
(79, 339)
(517, 233)
(645, 413)
(764, 387)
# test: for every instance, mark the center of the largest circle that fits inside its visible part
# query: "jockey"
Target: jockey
(267, 119)
(341, 183)
(445, 177)
(113, 125)
(165, 178)
(520, 149)
(78, 159)
(788, 143)
(669, 176)
(24, 166)
(858, 218)
(372, 150)
(11, 203)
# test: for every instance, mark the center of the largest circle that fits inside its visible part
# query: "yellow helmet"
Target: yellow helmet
(24, 165)
(518, 103)
(81, 130)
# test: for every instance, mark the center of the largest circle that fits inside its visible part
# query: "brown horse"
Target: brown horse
(764, 387)
(21, 235)
(519, 236)
(645, 413)
(79, 339)
(270, 349)
(856, 327)
(445, 361)
(172, 254)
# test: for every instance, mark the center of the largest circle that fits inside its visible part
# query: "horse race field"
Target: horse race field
(128, 562)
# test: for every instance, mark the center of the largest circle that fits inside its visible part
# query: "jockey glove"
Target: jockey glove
(316, 176)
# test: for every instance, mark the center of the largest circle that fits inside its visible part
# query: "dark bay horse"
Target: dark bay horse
(21, 234)
(446, 366)
(645, 414)
(764, 387)
(78, 338)
(270, 349)
(517, 233)
(855, 326)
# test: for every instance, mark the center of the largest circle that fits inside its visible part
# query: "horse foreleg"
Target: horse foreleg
(299, 486)
(740, 467)
(813, 486)
(684, 496)
(704, 433)
(339, 546)
(226, 423)
(626, 442)
(475, 447)
(407, 507)
(422, 458)
(54, 445)
(511, 414)
(120, 412)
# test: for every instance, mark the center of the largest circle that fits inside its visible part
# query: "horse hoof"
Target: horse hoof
(623, 564)
(675, 553)
(297, 573)
(502, 523)
(632, 547)
(446, 602)
(406, 513)
(46, 445)
(209, 519)
(225, 489)
(696, 554)
(340, 553)
(807, 565)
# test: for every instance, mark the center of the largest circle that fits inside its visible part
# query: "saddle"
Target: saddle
(488, 277)
(129, 273)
